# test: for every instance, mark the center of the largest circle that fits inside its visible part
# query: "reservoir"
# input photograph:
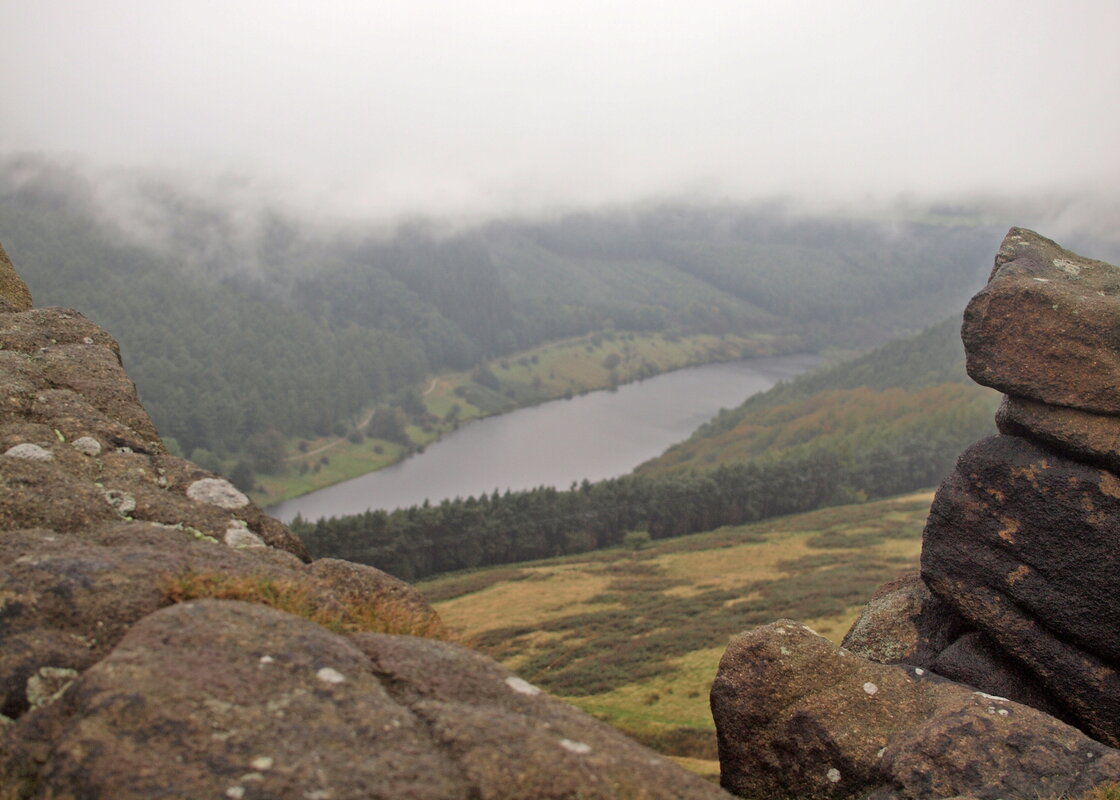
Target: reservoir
(598, 435)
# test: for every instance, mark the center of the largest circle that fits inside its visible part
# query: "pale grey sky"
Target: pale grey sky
(445, 106)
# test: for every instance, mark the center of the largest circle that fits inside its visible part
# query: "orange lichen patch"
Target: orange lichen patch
(1030, 473)
(1009, 529)
(1017, 574)
(996, 494)
(1110, 485)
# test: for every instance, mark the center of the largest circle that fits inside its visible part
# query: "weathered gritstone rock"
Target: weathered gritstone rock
(72, 430)
(798, 717)
(359, 580)
(226, 699)
(1080, 435)
(1024, 545)
(68, 598)
(1047, 326)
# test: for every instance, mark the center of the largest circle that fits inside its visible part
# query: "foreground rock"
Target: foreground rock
(798, 717)
(1047, 326)
(903, 623)
(227, 699)
(140, 657)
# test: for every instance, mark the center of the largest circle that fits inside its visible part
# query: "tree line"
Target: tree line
(499, 528)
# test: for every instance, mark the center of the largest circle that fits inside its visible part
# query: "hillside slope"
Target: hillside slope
(898, 414)
(295, 326)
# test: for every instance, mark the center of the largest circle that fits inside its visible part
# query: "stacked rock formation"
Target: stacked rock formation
(998, 668)
(115, 683)
(1023, 541)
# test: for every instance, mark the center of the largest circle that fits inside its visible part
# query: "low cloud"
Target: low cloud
(393, 108)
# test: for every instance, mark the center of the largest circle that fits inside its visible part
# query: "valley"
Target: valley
(298, 328)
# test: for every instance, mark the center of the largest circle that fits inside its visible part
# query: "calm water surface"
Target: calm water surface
(594, 436)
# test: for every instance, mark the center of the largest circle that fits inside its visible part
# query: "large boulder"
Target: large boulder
(1024, 545)
(226, 699)
(69, 598)
(799, 717)
(1047, 326)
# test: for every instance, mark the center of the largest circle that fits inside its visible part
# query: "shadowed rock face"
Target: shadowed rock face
(1081, 435)
(1023, 545)
(109, 690)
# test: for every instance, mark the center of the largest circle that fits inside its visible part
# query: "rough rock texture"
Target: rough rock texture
(14, 294)
(1081, 435)
(799, 717)
(1023, 544)
(114, 683)
(72, 430)
(68, 598)
(352, 579)
(903, 623)
(1047, 326)
(267, 705)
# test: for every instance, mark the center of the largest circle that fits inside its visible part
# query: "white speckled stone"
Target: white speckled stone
(217, 492)
(237, 535)
(87, 445)
(30, 452)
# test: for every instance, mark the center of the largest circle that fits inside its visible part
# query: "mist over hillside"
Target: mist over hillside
(295, 326)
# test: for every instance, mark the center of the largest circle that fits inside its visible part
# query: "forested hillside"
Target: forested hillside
(901, 409)
(889, 422)
(243, 325)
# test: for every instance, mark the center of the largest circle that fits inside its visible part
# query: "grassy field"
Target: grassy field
(552, 371)
(635, 636)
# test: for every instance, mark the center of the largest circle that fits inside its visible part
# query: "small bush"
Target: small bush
(637, 540)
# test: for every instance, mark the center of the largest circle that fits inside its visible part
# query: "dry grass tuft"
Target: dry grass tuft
(348, 613)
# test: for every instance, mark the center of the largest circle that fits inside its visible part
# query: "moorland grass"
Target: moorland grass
(635, 637)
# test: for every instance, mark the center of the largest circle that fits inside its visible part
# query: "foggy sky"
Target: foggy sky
(483, 106)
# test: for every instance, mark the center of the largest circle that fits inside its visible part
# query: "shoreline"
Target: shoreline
(571, 363)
